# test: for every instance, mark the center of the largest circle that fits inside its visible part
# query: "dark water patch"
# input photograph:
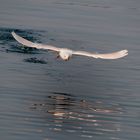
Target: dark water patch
(11, 45)
(63, 94)
(22, 49)
(35, 60)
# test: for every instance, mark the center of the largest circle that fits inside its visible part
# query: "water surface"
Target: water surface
(44, 98)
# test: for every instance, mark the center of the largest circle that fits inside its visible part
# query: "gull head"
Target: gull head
(65, 54)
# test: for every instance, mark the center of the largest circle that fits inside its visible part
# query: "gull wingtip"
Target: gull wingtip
(13, 33)
(123, 53)
(126, 52)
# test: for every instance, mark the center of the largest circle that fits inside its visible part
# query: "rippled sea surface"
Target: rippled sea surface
(44, 98)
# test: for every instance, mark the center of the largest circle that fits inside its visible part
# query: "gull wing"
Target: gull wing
(113, 55)
(34, 45)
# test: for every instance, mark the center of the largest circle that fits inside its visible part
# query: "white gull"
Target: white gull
(66, 53)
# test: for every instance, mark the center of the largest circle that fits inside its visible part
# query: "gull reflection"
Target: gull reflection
(73, 115)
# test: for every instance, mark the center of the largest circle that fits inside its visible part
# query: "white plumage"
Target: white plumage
(66, 54)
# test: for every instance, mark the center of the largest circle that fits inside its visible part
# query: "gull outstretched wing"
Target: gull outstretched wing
(113, 55)
(34, 45)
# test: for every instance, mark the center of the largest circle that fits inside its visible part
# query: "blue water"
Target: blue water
(44, 98)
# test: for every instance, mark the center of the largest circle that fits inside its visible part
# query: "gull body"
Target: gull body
(65, 53)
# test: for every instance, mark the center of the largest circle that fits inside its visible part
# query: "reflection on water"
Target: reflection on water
(74, 115)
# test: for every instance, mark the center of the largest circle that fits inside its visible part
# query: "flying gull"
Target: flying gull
(66, 54)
